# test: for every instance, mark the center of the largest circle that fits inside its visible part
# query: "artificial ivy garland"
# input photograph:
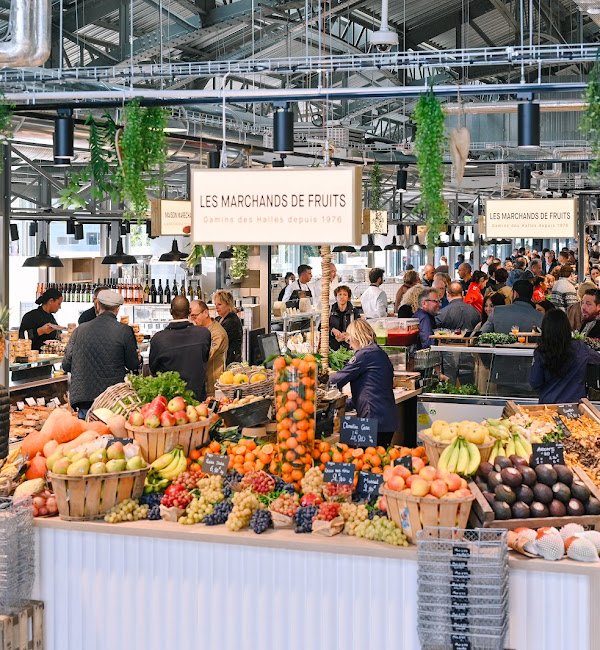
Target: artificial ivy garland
(590, 122)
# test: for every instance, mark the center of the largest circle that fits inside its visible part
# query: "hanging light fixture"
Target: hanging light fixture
(400, 232)
(529, 125)
(343, 249)
(71, 227)
(125, 227)
(42, 259)
(33, 228)
(119, 257)
(174, 255)
(149, 230)
(63, 137)
(402, 179)
(14, 232)
(78, 231)
(227, 254)
(467, 241)
(214, 159)
(525, 180)
(453, 243)
(370, 246)
(283, 129)
(416, 246)
(393, 246)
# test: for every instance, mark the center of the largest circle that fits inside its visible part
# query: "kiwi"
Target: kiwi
(528, 474)
(511, 477)
(501, 510)
(494, 479)
(575, 508)
(557, 508)
(592, 507)
(524, 493)
(520, 510)
(538, 509)
(501, 462)
(518, 461)
(484, 470)
(561, 492)
(504, 493)
(542, 493)
(546, 474)
(565, 475)
(580, 491)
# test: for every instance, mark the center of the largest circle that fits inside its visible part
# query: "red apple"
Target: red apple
(167, 419)
(417, 464)
(202, 410)
(419, 487)
(438, 488)
(396, 483)
(428, 473)
(136, 419)
(400, 470)
(388, 472)
(152, 421)
(453, 482)
(409, 479)
(463, 483)
(192, 414)
(180, 417)
(176, 404)
(382, 504)
(463, 492)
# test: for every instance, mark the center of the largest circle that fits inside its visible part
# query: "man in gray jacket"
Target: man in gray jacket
(99, 353)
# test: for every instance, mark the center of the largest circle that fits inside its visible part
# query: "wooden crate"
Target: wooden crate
(434, 449)
(412, 514)
(23, 630)
(482, 515)
(585, 408)
(84, 498)
(156, 442)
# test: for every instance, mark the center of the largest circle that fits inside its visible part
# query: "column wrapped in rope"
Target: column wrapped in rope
(325, 285)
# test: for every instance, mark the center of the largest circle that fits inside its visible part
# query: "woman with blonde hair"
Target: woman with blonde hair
(410, 302)
(231, 324)
(411, 278)
(371, 377)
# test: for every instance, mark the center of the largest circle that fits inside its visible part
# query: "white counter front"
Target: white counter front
(159, 586)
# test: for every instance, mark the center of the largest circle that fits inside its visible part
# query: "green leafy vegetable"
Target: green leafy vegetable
(169, 384)
(447, 388)
(496, 338)
(339, 358)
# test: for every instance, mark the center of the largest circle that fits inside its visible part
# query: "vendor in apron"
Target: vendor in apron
(299, 289)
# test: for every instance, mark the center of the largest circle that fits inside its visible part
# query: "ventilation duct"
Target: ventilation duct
(29, 26)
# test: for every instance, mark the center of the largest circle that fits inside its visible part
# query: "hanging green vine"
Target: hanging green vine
(239, 264)
(375, 191)
(429, 148)
(6, 115)
(590, 122)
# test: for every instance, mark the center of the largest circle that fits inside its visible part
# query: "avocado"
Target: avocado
(494, 479)
(524, 493)
(528, 474)
(520, 510)
(546, 474)
(557, 508)
(484, 470)
(592, 507)
(542, 493)
(565, 475)
(561, 492)
(518, 461)
(538, 509)
(504, 493)
(501, 510)
(575, 508)
(511, 477)
(580, 491)
(501, 462)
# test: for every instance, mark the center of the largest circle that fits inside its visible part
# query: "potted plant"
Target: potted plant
(429, 149)
(374, 217)
(239, 263)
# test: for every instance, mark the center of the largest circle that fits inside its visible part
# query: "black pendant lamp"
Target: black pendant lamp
(214, 159)
(14, 232)
(525, 180)
(227, 254)
(393, 246)
(453, 243)
(343, 249)
(283, 129)
(71, 227)
(42, 259)
(400, 232)
(119, 257)
(370, 246)
(63, 137)
(33, 229)
(174, 255)
(529, 125)
(467, 241)
(416, 246)
(78, 231)
(402, 179)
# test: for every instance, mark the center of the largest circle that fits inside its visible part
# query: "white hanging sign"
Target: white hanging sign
(531, 218)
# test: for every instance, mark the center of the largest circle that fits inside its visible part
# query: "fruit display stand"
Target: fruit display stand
(156, 442)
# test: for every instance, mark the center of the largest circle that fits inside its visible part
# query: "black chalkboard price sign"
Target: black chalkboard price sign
(359, 432)
(368, 484)
(340, 473)
(570, 411)
(405, 461)
(460, 642)
(215, 464)
(552, 453)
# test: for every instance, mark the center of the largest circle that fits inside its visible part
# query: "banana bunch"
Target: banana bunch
(169, 466)
(516, 445)
(461, 457)
(499, 429)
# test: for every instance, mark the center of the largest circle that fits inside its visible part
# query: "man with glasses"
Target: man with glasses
(429, 306)
(219, 342)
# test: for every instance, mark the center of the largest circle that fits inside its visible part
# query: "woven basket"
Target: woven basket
(434, 449)
(260, 388)
(84, 498)
(156, 442)
(120, 395)
(414, 513)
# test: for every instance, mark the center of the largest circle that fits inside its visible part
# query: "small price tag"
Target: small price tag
(359, 432)
(368, 484)
(459, 589)
(552, 453)
(405, 461)
(29, 401)
(570, 411)
(460, 642)
(40, 401)
(460, 624)
(55, 401)
(124, 441)
(459, 611)
(459, 568)
(215, 464)
(20, 406)
(341, 473)
(459, 602)
(461, 551)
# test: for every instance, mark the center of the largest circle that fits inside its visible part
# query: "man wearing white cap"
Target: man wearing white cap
(99, 353)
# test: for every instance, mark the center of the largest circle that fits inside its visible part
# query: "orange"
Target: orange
(273, 467)
(309, 394)
(296, 362)
(238, 459)
(376, 461)
(377, 470)
(358, 464)
(299, 414)
(303, 367)
(357, 453)
(324, 457)
(248, 466)
(279, 363)
(309, 357)
(291, 455)
(300, 450)
(283, 387)
(369, 451)
(297, 475)
(309, 407)
(337, 457)
(307, 381)
(195, 454)
(291, 443)
(301, 436)
(194, 467)
(394, 453)
(250, 457)
(381, 450)
(302, 425)
(250, 444)
(284, 434)
(259, 465)
(263, 458)
(290, 406)
(292, 394)
(267, 449)
(324, 445)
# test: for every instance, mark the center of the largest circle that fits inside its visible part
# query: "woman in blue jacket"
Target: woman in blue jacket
(371, 377)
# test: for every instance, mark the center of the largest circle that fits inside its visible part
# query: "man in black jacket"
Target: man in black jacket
(99, 353)
(183, 347)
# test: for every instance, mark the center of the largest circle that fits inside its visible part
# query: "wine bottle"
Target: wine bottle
(146, 291)
(153, 293)
(175, 292)
(167, 294)
(161, 294)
